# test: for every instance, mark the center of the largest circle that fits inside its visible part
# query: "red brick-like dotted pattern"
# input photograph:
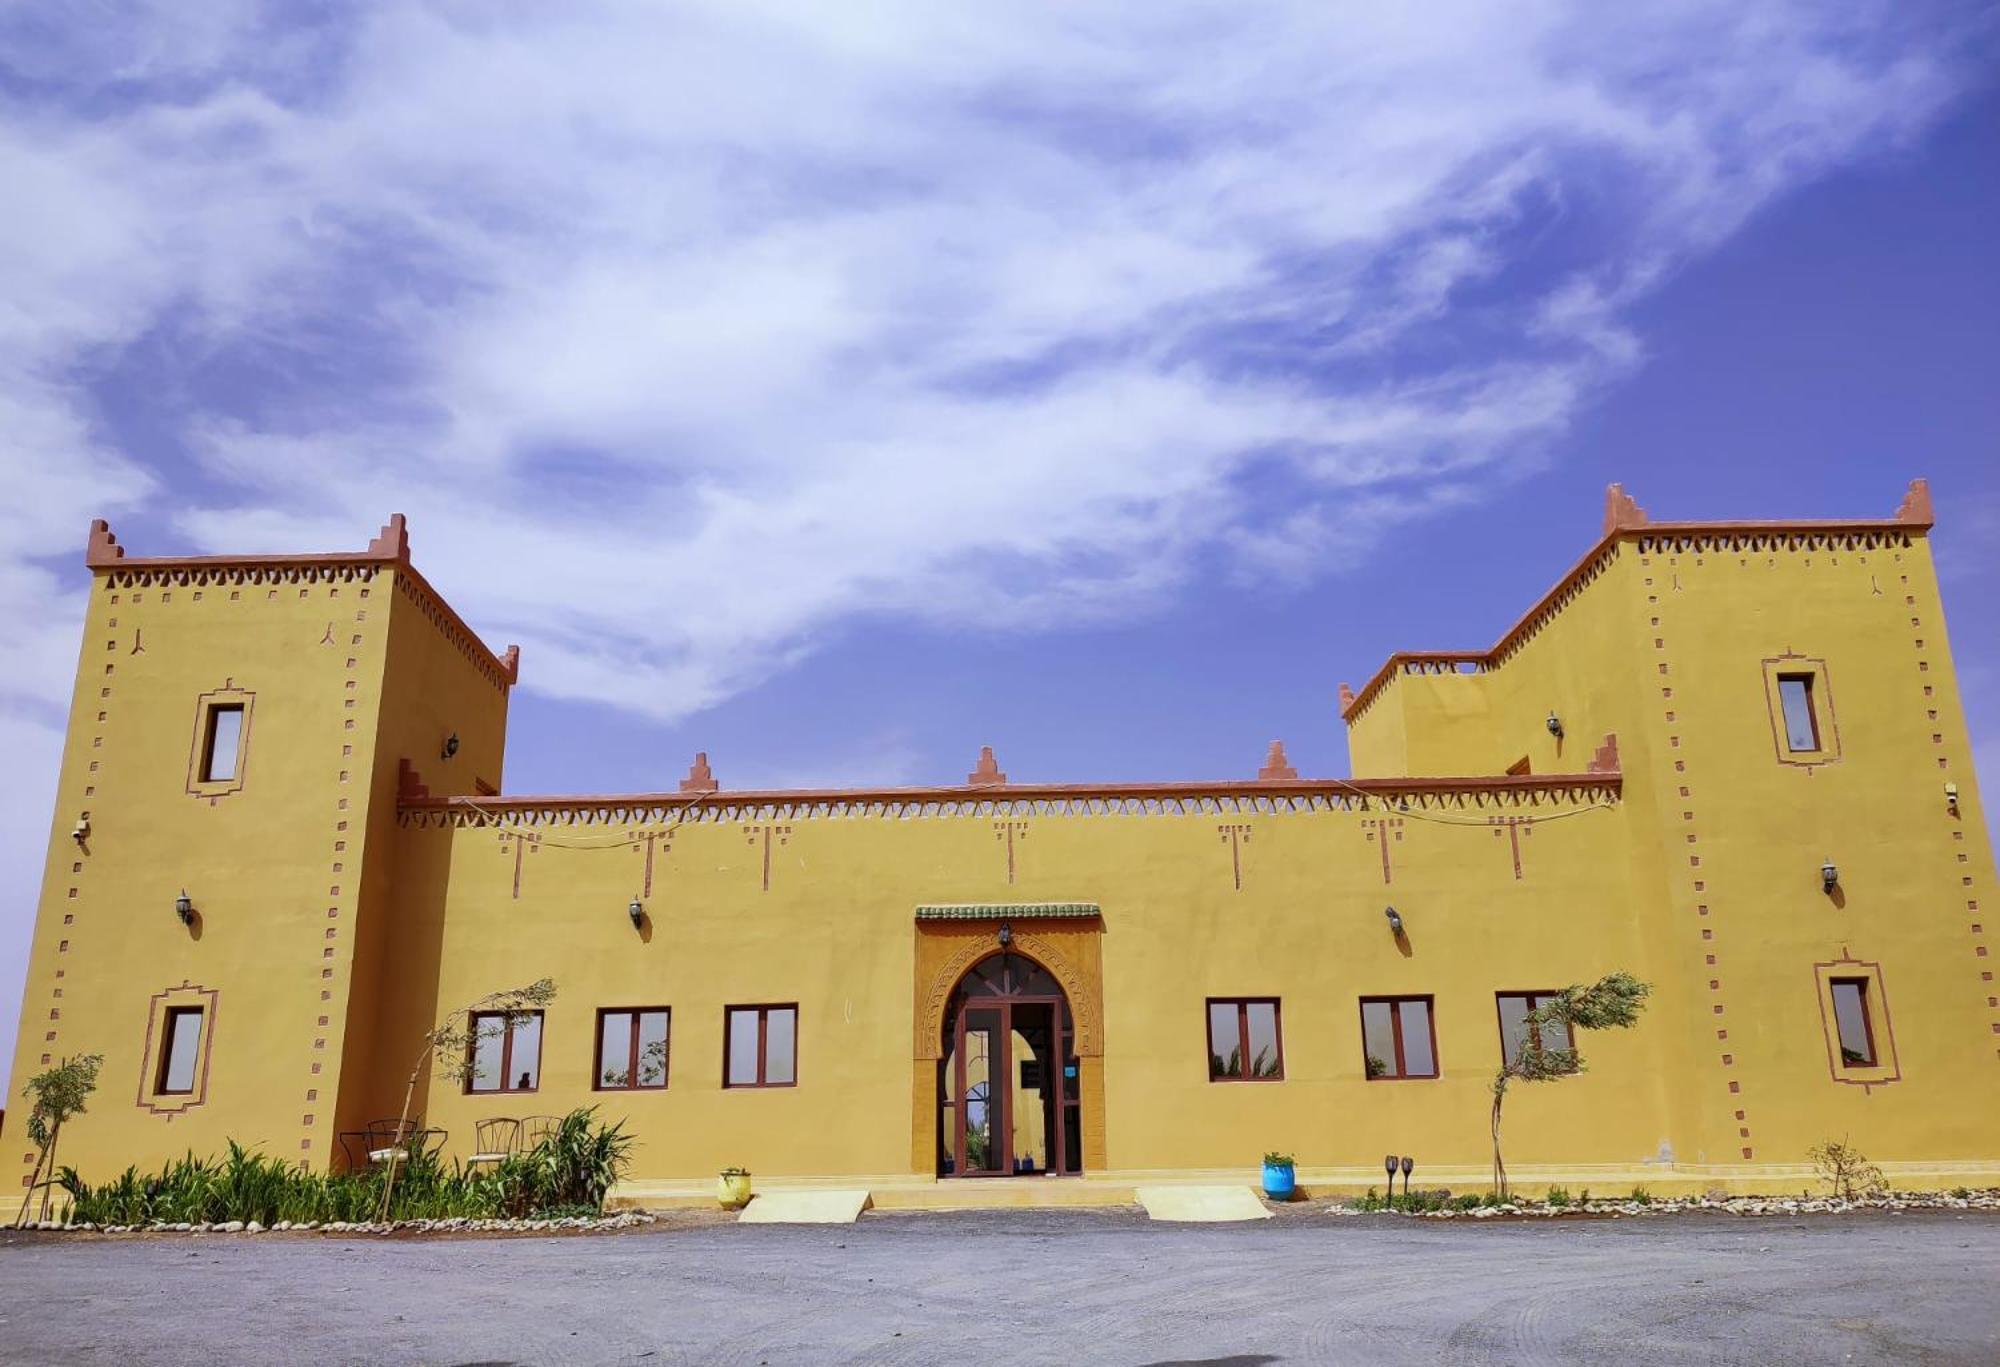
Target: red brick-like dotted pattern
(337, 859)
(1711, 959)
(1961, 861)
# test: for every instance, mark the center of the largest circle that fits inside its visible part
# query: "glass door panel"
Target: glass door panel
(982, 1090)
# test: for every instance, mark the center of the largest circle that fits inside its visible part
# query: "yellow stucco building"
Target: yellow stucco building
(1730, 758)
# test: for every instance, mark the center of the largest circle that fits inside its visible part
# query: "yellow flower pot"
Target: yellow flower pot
(732, 1189)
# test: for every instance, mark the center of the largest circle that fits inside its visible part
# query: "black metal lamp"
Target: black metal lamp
(1409, 1166)
(1829, 876)
(450, 745)
(1395, 920)
(1006, 935)
(637, 911)
(184, 908)
(1389, 1166)
(1554, 723)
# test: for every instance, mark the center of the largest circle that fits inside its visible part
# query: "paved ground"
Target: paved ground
(1033, 1287)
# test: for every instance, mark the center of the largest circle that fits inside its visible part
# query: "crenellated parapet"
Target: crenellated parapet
(1539, 792)
(388, 553)
(1626, 523)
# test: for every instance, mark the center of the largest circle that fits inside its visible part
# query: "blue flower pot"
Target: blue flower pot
(1279, 1180)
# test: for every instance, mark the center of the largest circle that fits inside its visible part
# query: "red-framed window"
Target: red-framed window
(506, 1052)
(1801, 716)
(632, 1048)
(1398, 1038)
(760, 1046)
(221, 742)
(1515, 1030)
(1244, 1040)
(180, 1051)
(1855, 1022)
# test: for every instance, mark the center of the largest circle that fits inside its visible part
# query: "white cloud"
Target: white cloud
(688, 334)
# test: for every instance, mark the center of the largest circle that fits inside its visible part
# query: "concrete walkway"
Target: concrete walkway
(1033, 1287)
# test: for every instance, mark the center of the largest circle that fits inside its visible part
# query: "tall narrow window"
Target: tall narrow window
(1243, 1043)
(180, 1051)
(1515, 1031)
(1795, 696)
(506, 1052)
(632, 1048)
(1851, 1017)
(220, 745)
(760, 1046)
(1398, 1037)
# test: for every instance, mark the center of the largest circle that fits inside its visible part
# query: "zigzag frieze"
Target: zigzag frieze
(1740, 541)
(438, 615)
(454, 813)
(198, 575)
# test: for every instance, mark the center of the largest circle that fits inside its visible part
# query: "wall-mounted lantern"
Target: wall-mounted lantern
(1554, 723)
(450, 746)
(80, 832)
(1006, 935)
(1395, 920)
(1829, 876)
(184, 908)
(637, 911)
(1950, 800)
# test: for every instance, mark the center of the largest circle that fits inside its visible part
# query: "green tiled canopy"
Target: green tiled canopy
(1008, 911)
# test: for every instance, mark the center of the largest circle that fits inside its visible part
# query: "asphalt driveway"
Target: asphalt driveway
(1032, 1287)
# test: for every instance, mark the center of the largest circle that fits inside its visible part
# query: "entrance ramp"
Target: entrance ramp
(1202, 1205)
(804, 1208)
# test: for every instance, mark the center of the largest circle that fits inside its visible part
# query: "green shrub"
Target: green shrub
(567, 1173)
(1583, 1197)
(1472, 1200)
(1641, 1197)
(1558, 1197)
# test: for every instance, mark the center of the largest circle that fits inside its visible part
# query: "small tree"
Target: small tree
(56, 1094)
(453, 1046)
(1612, 1002)
(1847, 1170)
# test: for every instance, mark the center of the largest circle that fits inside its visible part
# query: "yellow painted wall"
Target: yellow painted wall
(1254, 893)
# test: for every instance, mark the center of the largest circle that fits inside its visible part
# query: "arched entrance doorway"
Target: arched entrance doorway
(1007, 1083)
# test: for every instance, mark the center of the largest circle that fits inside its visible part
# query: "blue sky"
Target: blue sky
(838, 389)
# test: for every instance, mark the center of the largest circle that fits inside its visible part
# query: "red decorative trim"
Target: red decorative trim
(784, 835)
(1010, 831)
(1346, 698)
(101, 547)
(409, 784)
(986, 773)
(1238, 835)
(700, 778)
(1605, 761)
(1916, 508)
(1276, 766)
(389, 548)
(1826, 731)
(1221, 797)
(1885, 1071)
(171, 1104)
(1912, 517)
(392, 542)
(226, 696)
(1621, 510)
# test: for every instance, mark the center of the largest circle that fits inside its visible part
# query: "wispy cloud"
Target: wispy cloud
(687, 334)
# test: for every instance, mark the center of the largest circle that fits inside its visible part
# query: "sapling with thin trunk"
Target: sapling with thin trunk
(1612, 1002)
(453, 1047)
